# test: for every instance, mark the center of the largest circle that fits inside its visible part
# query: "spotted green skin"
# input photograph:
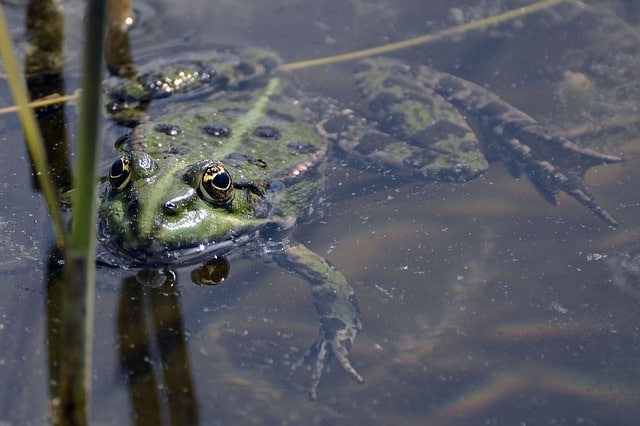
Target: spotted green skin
(273, 138)
(425, 135)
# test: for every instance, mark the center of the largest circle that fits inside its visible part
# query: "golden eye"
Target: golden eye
(216, 186)
(120, 173)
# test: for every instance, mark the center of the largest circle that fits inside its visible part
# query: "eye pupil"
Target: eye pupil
(221, 180)
(216, 185)
(120, 173)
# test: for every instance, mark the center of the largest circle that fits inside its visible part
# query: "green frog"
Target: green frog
(237, 172)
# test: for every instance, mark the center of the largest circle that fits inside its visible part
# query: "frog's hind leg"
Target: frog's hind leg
(552, 162)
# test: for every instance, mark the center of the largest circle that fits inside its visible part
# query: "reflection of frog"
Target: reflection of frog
(208, 179)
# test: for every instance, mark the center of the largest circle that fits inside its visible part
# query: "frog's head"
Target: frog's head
(165, 210)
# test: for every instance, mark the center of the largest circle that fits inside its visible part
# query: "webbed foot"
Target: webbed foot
(550, 178)
(320, 353)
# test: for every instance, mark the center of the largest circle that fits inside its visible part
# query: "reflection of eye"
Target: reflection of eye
(216, 186)
(120, 173)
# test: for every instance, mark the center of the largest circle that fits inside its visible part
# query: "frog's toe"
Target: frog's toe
(320, 352)
(342, 355)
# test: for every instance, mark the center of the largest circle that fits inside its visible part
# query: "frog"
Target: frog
(238, 169)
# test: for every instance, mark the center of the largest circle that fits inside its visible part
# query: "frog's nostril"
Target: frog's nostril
(170, 207)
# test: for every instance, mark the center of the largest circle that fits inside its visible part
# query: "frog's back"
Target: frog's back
(270, 143)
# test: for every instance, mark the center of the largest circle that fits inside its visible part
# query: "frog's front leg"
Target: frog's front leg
(336, 306)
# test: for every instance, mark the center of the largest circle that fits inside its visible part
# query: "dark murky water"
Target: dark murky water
(479, 300)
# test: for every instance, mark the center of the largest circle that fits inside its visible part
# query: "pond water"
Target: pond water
(481, 302)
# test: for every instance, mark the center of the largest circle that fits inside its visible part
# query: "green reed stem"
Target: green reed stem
(79, 274)
(84, 205)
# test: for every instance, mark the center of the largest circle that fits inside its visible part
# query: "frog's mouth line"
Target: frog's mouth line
(111, 253)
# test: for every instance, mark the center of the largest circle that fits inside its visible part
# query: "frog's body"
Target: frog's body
(242, 168)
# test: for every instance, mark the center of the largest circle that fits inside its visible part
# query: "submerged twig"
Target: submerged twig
(33, 136)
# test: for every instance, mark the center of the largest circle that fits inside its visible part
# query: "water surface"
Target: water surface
(479, 301)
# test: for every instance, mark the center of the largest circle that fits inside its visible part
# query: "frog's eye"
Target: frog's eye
(216, 186)
(120, 173)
